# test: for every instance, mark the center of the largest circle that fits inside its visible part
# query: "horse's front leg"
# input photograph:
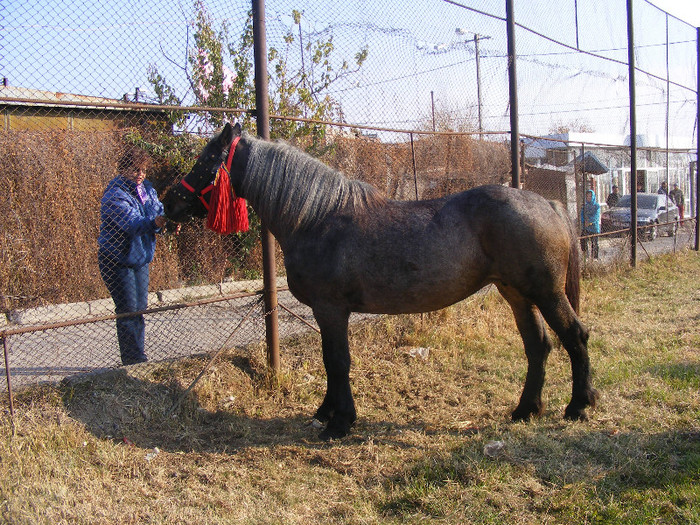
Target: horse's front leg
(338, 407)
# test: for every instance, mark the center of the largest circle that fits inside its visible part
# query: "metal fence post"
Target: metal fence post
(582, 224)
(697, 161)
(513, 89)
(415, 173)
(633, 136)
(262, 114)
(8, 376)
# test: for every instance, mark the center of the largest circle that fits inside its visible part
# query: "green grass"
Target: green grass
(239, 449)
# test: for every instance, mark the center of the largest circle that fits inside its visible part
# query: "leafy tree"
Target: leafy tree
(220, 81)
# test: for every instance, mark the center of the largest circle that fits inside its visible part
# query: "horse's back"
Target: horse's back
(519, 208)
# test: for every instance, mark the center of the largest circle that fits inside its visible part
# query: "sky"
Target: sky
(686, 10)
(416, 56)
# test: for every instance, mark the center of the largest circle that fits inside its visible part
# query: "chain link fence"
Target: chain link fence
(415, 101)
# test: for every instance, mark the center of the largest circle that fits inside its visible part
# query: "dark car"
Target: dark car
(654, 212)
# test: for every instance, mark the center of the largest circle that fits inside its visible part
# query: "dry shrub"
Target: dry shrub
(443, 164)
(50, 217)
(365, 159)
(49, 213)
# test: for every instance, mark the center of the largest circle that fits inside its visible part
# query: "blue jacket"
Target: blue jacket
(127, 231)
(590, 215)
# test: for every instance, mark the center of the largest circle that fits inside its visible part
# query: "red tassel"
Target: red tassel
(227, 213)
(240, 214)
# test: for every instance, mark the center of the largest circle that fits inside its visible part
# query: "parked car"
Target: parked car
(654, 212)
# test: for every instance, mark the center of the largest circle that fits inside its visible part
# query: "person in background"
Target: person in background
(613, 198)
(678, 198)
(663, 189)
(590, 223)
(131, 215)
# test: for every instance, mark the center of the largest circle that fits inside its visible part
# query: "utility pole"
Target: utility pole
(478, 82)
(478, 78)
(477, 38)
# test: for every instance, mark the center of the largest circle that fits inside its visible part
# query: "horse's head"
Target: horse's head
(190, 197)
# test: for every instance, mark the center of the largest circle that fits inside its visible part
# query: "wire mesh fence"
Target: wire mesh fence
(415, 101)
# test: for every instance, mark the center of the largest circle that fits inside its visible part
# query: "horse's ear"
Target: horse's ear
(237, 129)
(226, 135)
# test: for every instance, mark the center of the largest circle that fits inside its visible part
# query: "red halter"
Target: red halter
(206, 190)
(209, 188)
(226, 213)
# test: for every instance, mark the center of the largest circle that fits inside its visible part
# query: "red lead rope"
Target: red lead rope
(227, 212)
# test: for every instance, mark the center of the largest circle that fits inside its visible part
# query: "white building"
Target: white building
(655, 163)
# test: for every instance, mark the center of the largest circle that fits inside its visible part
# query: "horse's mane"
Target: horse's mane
(293, 190)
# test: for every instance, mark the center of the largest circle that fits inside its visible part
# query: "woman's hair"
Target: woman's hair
(132, 159)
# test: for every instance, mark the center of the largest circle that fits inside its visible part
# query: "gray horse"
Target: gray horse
(347, 248)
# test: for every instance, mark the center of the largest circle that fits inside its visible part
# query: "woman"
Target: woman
(590, 223)
(131, 215)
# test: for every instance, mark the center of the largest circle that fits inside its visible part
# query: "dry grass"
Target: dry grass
(239, 449)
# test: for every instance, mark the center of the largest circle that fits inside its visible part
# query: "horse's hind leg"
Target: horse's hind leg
(537, 348)
(338, 407)
(574, 336)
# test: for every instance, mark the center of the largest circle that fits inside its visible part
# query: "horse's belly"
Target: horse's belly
(415, 297)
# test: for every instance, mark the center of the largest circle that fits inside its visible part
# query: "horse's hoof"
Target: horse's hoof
(576, 411)
(323, 416)
(526, 412)
(575, 414)
(593, 396)
(335, 430)
(332, 434)
(518, 416)
(581, 416)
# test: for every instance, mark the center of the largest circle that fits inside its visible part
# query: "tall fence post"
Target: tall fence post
(513, 90)
(8, 376)
(633, 136)
(262, 113)
(415, 172)
(582, 224)
(697, 160)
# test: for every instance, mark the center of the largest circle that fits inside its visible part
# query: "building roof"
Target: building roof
(537, 147)
(589, 163)
(19, 96)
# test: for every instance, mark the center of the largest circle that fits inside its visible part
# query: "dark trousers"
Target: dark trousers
(129, 289)
(594, 245)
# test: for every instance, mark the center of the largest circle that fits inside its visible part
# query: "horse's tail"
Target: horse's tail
(573, 270)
